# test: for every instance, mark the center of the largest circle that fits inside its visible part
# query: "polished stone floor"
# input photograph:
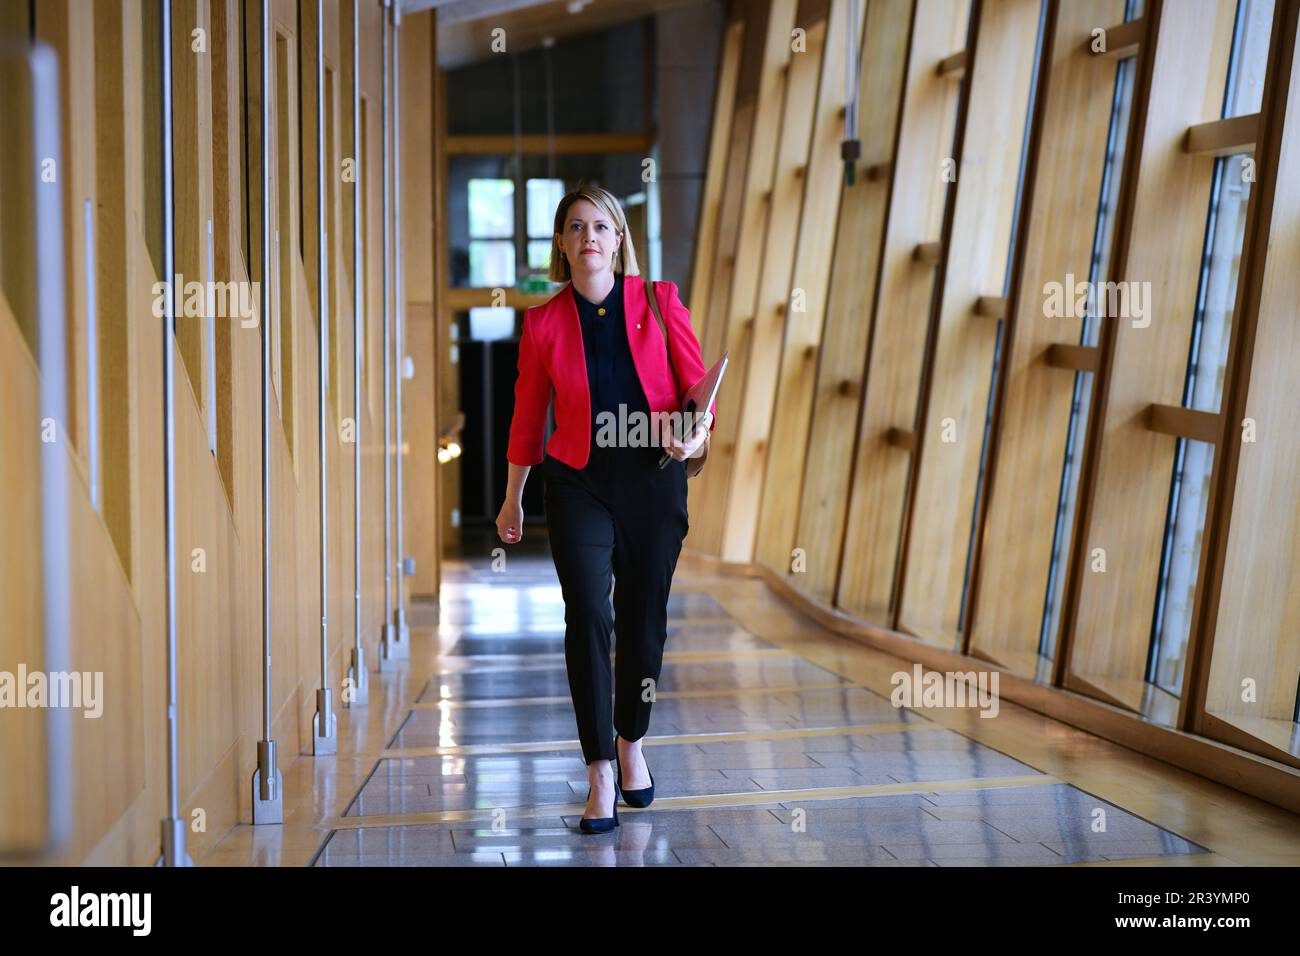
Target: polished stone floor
(760, 757)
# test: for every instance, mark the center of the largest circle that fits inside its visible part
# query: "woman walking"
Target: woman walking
(613, 515)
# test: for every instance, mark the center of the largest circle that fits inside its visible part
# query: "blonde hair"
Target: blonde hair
(624, 257)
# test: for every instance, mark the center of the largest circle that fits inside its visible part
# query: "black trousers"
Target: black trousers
(622, 520)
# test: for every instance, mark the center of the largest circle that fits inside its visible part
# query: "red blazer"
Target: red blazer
(551, 354)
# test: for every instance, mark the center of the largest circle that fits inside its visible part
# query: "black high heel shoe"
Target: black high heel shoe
(635, 798)
(601, 824)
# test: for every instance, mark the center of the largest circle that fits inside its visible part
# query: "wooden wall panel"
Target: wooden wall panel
(192, 152)
(814, 488)
(1030, 425)
(309, 165)
(793, 173)
(420, 452)
(448, 387)
(724, 107)
(420, 423)
(736, 320)
(282, 236)
(108, 751)
(1000, 71)
(22, 731)
(898, 336)
(712, 331)
(230, 191)
(118, 187)
(372, 479)
(16, 252)
(119, 626)
(60, 24)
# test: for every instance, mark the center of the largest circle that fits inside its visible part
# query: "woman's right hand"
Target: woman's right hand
(510, 522)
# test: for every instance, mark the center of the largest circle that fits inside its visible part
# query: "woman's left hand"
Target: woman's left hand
(681, 450)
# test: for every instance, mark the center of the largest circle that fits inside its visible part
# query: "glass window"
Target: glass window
(491, 263)
(1089, 332)
(539, 254)
(501, 211)
(491, 230)
(543, 196)
(1245, 88)
(491, 208)
(998, 343)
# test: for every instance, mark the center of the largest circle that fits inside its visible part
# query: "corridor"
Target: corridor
(294, 293)
(773, 742)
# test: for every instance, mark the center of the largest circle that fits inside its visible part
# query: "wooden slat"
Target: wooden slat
(706, 235)
(1123, 40)
(420, 411)
(1223, 137)
(876, 172)
(1080, 358)
(228, 137)
(879, 487)
(903, 438)
(953, 66)
(1184, 422)
(934, 558)
(927, 252)
(713, 321)
(309, 210)
(736, 322)
(448, 375)
(806, 497)
(291, 288)
(804, 205)
(118, 356)
(60, 23)
(991, 307)
(541, 145)
(24, 823)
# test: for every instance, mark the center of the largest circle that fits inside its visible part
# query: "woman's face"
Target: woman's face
(589, 240)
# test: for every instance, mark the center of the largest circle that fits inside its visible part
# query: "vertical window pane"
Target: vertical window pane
(1245, 89)
(999, 341)
(1179, 563)
(1224, 238)
(539, 253)
(544, 196)
(491, 208)
(1207, 357)
(1103, 240)
(491, 263)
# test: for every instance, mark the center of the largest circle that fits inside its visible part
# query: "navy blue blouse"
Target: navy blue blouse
(611, 373)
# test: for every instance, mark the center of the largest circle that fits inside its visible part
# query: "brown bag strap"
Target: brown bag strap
(654, 307)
